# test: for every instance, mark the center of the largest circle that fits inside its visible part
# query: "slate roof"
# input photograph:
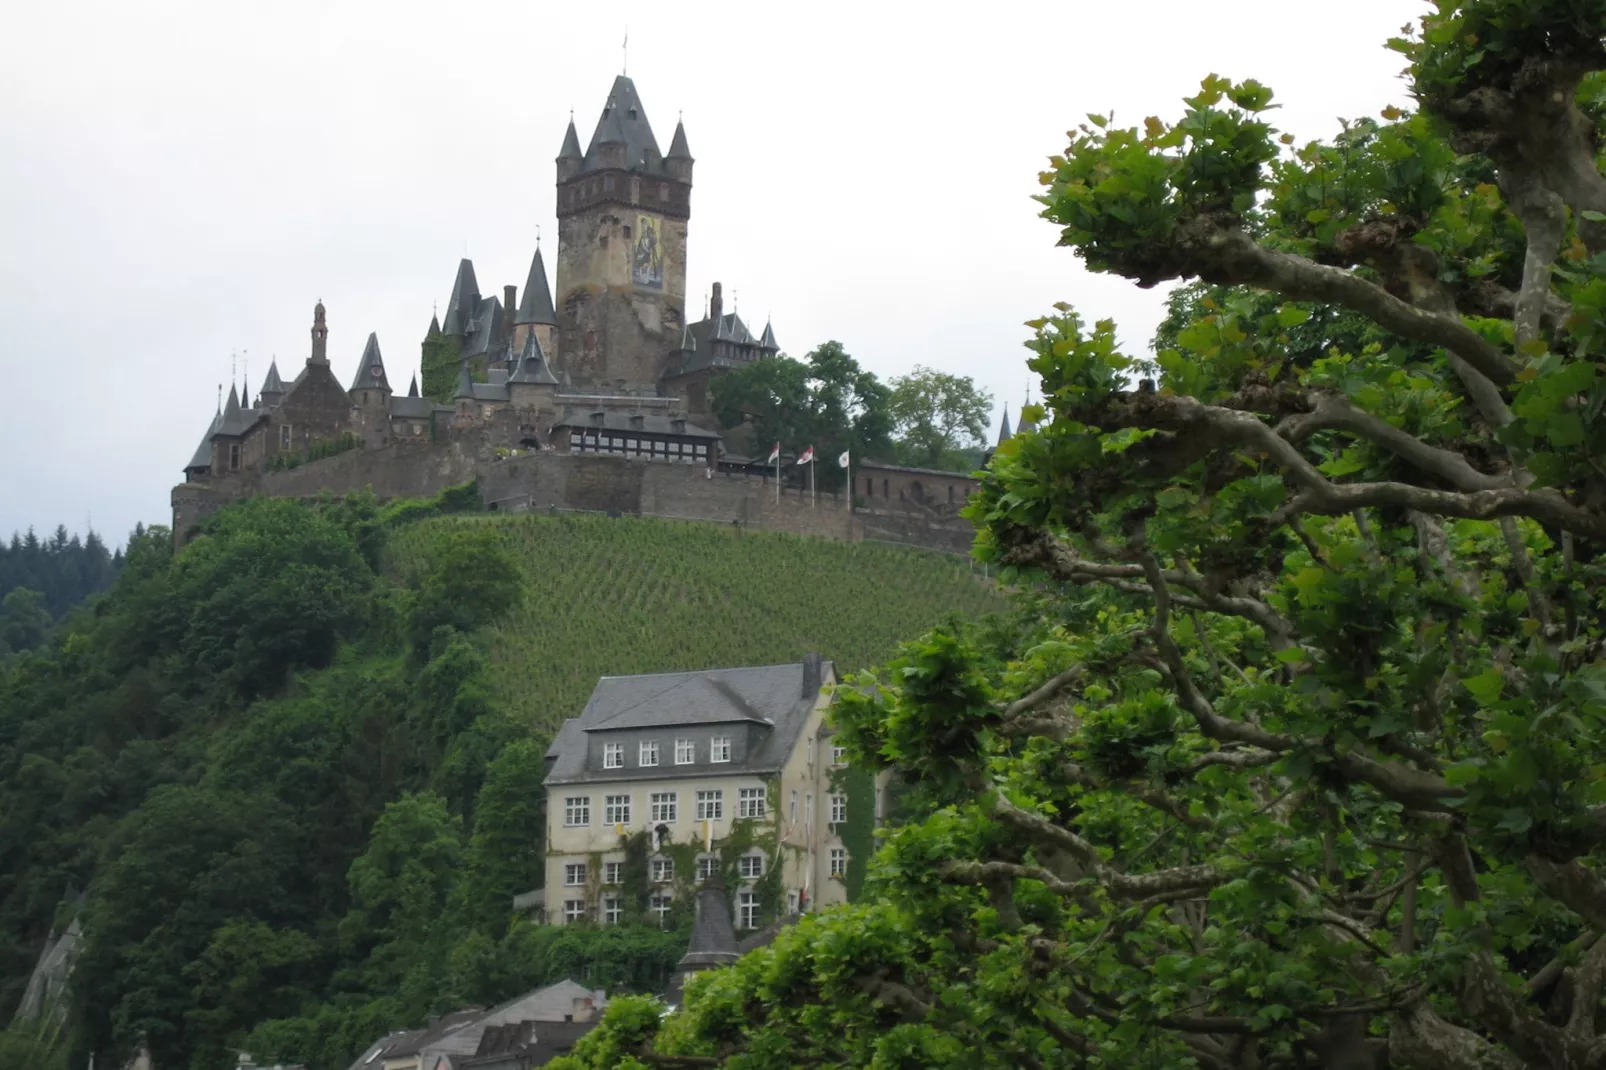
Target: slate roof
(413, 407)
(571, 143)
(651, 423)
(1004, 433)
(532, 365)
(713, 937)
(678, 149)
(720, 342)
(624, 121)
(536, 304)
(203, 452)
(272, 384)
(767, 695)
(486, 328)
(464, 302)
(237, 419)
(412, 387)
(370, 367)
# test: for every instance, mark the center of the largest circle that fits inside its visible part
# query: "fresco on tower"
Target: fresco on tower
(648, 267)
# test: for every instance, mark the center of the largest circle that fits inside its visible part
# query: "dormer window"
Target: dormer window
(685, 752)
(613, 756)
(632, 113)
(720, 749)
(647, 754)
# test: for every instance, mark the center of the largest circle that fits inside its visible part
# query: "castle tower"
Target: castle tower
(622, 215)
(320, 336)
(370, 394)
(536, 314)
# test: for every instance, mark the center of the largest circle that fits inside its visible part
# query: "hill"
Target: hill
(608, 596)
(296, 766)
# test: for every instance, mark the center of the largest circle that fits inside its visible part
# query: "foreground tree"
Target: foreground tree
(1299, 761)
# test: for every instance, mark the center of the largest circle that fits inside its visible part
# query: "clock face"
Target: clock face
(375, 371)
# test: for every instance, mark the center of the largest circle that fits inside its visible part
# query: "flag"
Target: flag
(842, 461)
(807, 456)
(775, 454)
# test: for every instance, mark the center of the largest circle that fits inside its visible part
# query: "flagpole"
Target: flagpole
(814, 499)
(777, 475)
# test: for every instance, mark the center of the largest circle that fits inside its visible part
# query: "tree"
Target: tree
(826, 401)
(938, 417)
(1300, 762)
(24, 620)
(505, 852)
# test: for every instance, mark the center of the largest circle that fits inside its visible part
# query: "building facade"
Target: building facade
(668, 782)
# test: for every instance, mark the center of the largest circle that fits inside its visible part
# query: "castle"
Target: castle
(610, 368)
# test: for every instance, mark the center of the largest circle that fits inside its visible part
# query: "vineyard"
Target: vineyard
(608, 596)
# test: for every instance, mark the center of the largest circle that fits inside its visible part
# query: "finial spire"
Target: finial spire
(624, 62)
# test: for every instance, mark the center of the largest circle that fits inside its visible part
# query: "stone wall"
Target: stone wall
(549, 480)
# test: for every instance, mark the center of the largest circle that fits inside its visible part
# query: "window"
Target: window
(808, 811)
(613, 909)
(574, 874)
(885, 493)
(711, 805)
(791, 814)
(750, 867)
(720, 749)
(574, 910)
(284, 436)
(659, 905)
(839, 756)
(839, 862)
(664, 807)
(750, 802)
(792, 901)
(839, 809)
(747, 910)
(234, 455)
(607, 183)
(663, 191)
(647, 753)
(612, 872)
(613, 756)
(663, 870)
(811, 751)
(577, 810)
(616, 809)
(869, 487)
(685, 752)
(707, 866)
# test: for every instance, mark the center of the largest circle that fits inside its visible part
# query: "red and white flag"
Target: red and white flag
(775, 454)
(807, 456)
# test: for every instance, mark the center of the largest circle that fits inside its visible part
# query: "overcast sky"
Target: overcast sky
(182, 179)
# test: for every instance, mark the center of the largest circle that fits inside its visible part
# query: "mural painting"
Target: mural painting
(648, 266)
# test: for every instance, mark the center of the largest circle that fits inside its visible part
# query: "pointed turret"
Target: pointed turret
(532, 365)
(1004, 433)
(465, 383)
(766, 341)
(201, 462)
(231, 408)
(623, 138)
(537, 304)
(679, 162)
(434, 326)
(1025, 427)
(371, 368)
(272, 391)
(464, 301)
(412, 387)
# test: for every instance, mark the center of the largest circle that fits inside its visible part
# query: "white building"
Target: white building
(689, 759)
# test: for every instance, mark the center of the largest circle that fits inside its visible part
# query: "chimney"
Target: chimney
(716, 304)
(813, 674)
(510, 299)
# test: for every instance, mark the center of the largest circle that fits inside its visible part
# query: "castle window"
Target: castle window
(750, 867)
(234, 455)
(839, 862)
(607, 183)
(839, 809)
(711, 805)
(663, 870)
(635, 191)
(885, 493)
(626, 230)
(950, 494)
(663, 191)
(685, 752)
(613, 756)
(747, 910)
(284, 436)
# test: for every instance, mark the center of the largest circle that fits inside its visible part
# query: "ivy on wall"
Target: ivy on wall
(858, 831)
(439, 359)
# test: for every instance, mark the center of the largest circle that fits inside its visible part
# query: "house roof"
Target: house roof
(413, 407)
(768, 696)
(272, 384)
(203, 452)
(651, 423)
(486, 328)
(719, 341)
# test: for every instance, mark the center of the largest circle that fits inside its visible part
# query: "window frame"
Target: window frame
(669, 801)
(647, 753)
(574, 874)
(576, 805)
(747, 910)
(711, 799)
(613, 909)
(838, 862)
(707, 867)
(751, 802)
(719, 750)
(755, 863)
(839, 808)
(616, 809)
(660, 870)
(574, 910)
(689, 747)
(613, 756)
(613, 872)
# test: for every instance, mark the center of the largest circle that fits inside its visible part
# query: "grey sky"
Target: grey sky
(180, 179)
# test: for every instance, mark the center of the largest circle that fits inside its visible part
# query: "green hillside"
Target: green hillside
(620, 596)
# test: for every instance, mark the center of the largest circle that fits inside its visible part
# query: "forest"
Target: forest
(290, 777)
(41, 579)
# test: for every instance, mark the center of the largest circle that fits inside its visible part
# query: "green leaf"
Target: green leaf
(1486, 686)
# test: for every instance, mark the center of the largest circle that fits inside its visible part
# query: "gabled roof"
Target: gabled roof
(464, 301)
(536, 305)
(686, 700)
(370, 367)
(624, 121)
(736, 345)
(486, 328)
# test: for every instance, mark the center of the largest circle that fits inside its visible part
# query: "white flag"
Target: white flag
(842, 461)
(807, 456)
(775, 454)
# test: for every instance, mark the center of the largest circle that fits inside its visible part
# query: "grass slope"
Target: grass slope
(620, 596)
